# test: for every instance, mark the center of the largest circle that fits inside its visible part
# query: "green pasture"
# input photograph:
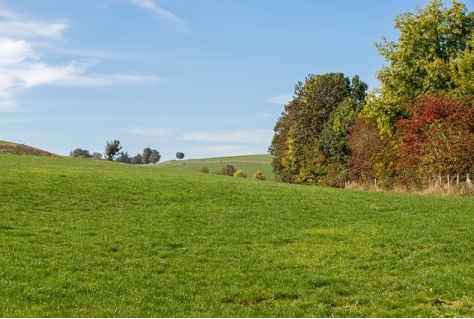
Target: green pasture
(248, 163)
(84, 238)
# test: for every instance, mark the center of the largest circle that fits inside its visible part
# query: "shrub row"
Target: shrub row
(229, 170)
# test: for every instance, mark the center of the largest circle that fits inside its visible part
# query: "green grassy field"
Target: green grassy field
(249, 164)
(82, 238)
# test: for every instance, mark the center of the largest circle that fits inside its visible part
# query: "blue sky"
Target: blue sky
(204, 77)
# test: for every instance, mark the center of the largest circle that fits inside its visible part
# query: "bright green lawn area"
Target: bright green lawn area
(82, 238)
(248, 163)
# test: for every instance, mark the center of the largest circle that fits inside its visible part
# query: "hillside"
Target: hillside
(100, 239)
(248, 163)
(22, 149)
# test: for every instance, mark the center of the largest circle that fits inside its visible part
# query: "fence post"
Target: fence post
(440, 180)
(457, 180)
(448, 180)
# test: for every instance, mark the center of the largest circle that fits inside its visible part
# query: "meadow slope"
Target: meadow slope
(248, 163)
(83, 238)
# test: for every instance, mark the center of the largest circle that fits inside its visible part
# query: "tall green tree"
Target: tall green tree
(434, 53)
(298, 132)
(333, 142)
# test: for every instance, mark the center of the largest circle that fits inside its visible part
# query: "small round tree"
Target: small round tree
(228, 170)
(259, 175)
(180, 155)
(240, 173)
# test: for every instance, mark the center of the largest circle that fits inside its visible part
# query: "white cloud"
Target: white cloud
(28, 29)
(13, 51)
(161, 13)
(281, 99)
(21, 66)
(149, 131)
(244, 137)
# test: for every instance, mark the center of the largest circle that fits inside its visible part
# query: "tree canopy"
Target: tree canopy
(311, 132)
(418, 123)
(112, 149)
(434, 53)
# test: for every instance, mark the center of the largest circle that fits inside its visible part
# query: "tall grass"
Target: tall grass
(83, 238)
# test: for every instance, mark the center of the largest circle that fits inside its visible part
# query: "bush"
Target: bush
(259, 176)
(204, 170)
(240, 173)
(228, 170)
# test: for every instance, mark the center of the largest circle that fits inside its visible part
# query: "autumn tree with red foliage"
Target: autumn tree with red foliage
(438, 138)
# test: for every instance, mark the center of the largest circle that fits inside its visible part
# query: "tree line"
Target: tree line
(418, 124)
(113, 152)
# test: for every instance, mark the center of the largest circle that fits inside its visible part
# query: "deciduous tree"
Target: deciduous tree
(112, 149)
(312, 130)
(434, 53)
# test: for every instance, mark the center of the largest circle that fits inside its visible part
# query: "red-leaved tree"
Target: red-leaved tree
(438, 138)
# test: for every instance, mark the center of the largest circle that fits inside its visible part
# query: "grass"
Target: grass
(248, 163)
(81, 238)
(21, 149)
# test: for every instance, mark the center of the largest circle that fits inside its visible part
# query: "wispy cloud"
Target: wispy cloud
(244, 137)
(22, 67)
(162, 14)
(281, 99)
(29, 29)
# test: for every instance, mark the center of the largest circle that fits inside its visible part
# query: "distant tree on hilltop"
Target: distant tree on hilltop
(79, 152)
(146, 155)
(155, 156)
(112, 149)
(97, 155)
(150, 156)
(137, 159)
(180, 155)
(123, 157)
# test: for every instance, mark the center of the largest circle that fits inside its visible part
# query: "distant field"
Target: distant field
(82, 238)
(249, 164)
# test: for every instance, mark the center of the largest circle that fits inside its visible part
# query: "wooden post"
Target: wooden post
(457, 179)
(440, 180)
(448, 180)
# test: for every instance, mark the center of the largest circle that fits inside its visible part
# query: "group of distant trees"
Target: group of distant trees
(229, 170)
(79, 152)
(113, 152)
(418, 124)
